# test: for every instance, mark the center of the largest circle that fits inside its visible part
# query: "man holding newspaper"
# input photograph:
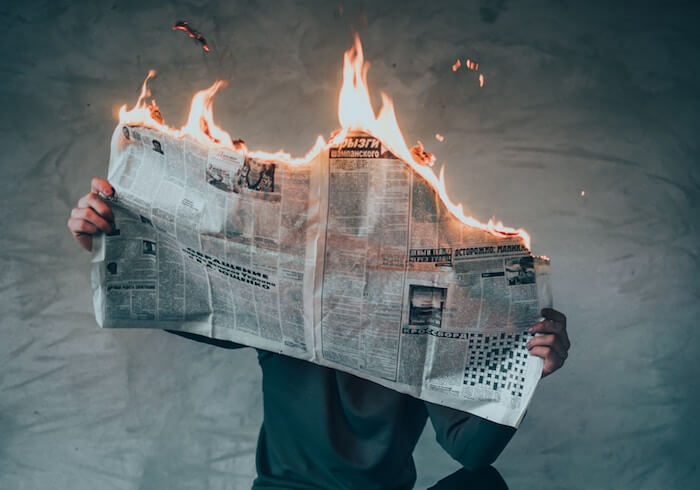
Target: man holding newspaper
(325, 428)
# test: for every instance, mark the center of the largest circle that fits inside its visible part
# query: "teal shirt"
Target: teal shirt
(323, 428)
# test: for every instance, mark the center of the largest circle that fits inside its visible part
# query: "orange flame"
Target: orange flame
(471, 65)
(142, 113)
(200, 122)
(355, 112)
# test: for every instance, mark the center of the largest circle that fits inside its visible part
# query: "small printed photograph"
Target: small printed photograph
(157, 147)
(112, 268)
(149, 247)
(223, 175)
(426, 306)
(254, 175)
(520, 271)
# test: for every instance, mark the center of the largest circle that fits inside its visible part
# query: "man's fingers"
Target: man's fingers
(101, 186)
(91, 217)
(555, 315)
(547, 326)
(91, 200)
(92, 214)
(85, 241)
(79, 226)
(551, 341)
(552, 326)
(552, 361)
(551, 364)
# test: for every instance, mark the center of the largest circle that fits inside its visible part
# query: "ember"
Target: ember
(420, 155)
(155, 112)
(184, 26)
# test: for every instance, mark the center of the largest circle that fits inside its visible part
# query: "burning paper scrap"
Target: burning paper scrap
(468, 64)
(184, 26)
(420, 155)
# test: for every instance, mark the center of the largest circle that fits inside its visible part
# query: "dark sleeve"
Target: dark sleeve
(472, 441)
(226, 344)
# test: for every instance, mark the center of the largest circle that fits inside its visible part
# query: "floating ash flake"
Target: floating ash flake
(184, 26)
(439, 137)
(456, 65)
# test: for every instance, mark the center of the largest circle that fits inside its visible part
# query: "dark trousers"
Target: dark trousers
(484, 479)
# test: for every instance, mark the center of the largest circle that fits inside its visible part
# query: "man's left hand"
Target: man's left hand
(553, 343)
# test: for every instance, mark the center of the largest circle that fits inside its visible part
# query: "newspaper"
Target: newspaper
(350, 261)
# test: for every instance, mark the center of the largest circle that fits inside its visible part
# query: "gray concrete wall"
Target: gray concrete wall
(598, 97)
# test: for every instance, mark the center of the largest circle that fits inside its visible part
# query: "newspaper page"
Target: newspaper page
(350, 261)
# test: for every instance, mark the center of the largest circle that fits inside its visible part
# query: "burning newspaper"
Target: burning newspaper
(351, 261)
(352, 257)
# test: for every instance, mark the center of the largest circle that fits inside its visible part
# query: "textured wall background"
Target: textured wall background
(594, 96)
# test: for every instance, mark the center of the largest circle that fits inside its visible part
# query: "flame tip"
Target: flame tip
(355, 112)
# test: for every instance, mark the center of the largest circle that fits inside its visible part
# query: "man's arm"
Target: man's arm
(226, 344)
(476, 442)
(472, 441)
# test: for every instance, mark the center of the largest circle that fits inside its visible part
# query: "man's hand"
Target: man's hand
(92, 215)
(553, 345)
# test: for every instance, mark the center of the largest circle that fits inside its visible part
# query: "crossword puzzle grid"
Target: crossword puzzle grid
(497, 362)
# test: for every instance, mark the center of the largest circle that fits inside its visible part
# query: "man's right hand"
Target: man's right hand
(92, 215)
